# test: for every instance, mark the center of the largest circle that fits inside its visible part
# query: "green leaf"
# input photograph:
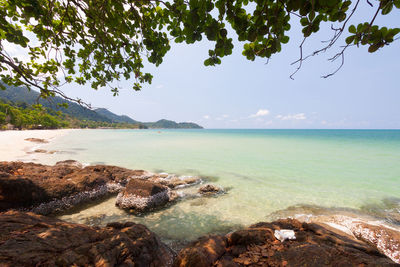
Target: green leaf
(373, 48)
(350, 39)
(352, 29)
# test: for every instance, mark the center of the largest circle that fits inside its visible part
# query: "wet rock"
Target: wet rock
(28, 239)
(173, 181)
(36, 140)
(257, 246)
(42, 151)
(69, 163)
(142, 195)
(210, 189)
(385, 239)
(46, 189)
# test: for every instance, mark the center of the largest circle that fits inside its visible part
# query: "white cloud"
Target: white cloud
(225, 116)
(206, 117)
(160, 86)
(298, 116)
(260, 113)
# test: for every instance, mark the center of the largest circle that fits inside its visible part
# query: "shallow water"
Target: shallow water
(266, 170)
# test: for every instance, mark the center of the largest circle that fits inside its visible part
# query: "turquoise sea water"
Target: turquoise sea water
(265, 171)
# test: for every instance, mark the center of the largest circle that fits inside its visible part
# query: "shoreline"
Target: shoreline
(15, 147)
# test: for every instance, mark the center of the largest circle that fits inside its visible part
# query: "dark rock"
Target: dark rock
(210, 189)
(28, 239)
(142, 195)
(46, 189)
(203, 252)
(256, 246)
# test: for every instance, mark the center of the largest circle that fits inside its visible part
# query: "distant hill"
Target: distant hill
(167, 124)
(23, 95)
(114, 117)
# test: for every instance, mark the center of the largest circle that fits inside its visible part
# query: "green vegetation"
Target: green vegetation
(22, 116)
(31, 97)
(99, 42)
(21, 106)
(166, 124)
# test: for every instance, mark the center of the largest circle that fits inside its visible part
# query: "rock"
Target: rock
(142, 195)
(40, 151)
(210, 189)
(173, 181)
(46, 189)
(36, 140)
(28, 239)
(69, 163)
(203, 252)
(257, 246)
(386, 240)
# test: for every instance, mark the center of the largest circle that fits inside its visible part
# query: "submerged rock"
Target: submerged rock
(257, 246)
(141, 195)
(36, 140)
(210, 189)
(28, 239)
(173, 181)
(46, 189)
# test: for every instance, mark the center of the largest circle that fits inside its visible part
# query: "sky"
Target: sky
(239, 93)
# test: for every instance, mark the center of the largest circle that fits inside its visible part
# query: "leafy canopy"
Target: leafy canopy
(101, 41)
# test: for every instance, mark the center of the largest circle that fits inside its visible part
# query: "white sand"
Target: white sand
(13, 145)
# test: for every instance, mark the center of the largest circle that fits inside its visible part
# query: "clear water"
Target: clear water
(266, 171)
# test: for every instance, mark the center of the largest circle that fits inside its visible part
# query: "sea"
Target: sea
(266, 175)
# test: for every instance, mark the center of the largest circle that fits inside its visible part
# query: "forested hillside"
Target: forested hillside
(74, 115)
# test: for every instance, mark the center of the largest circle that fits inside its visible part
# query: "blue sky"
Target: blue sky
(239, 93)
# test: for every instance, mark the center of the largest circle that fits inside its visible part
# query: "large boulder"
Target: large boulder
(28, 239)
(258, 246)
(142, 195)
(46, 189)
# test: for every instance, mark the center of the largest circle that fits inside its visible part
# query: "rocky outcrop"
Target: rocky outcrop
(385, 237)
(257, 246)
(209, 190)
(28, 239)
(46, 189)
(142, 195)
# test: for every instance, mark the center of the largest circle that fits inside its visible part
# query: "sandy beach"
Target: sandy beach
(14, 147)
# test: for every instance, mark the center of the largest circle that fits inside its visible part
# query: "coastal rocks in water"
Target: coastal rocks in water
(46, 189)
(173, 181)
(384, 237)
(37, 140)
(28, 239)
(257, 246)
(210, 189)
(141, 195)
(42, 151)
